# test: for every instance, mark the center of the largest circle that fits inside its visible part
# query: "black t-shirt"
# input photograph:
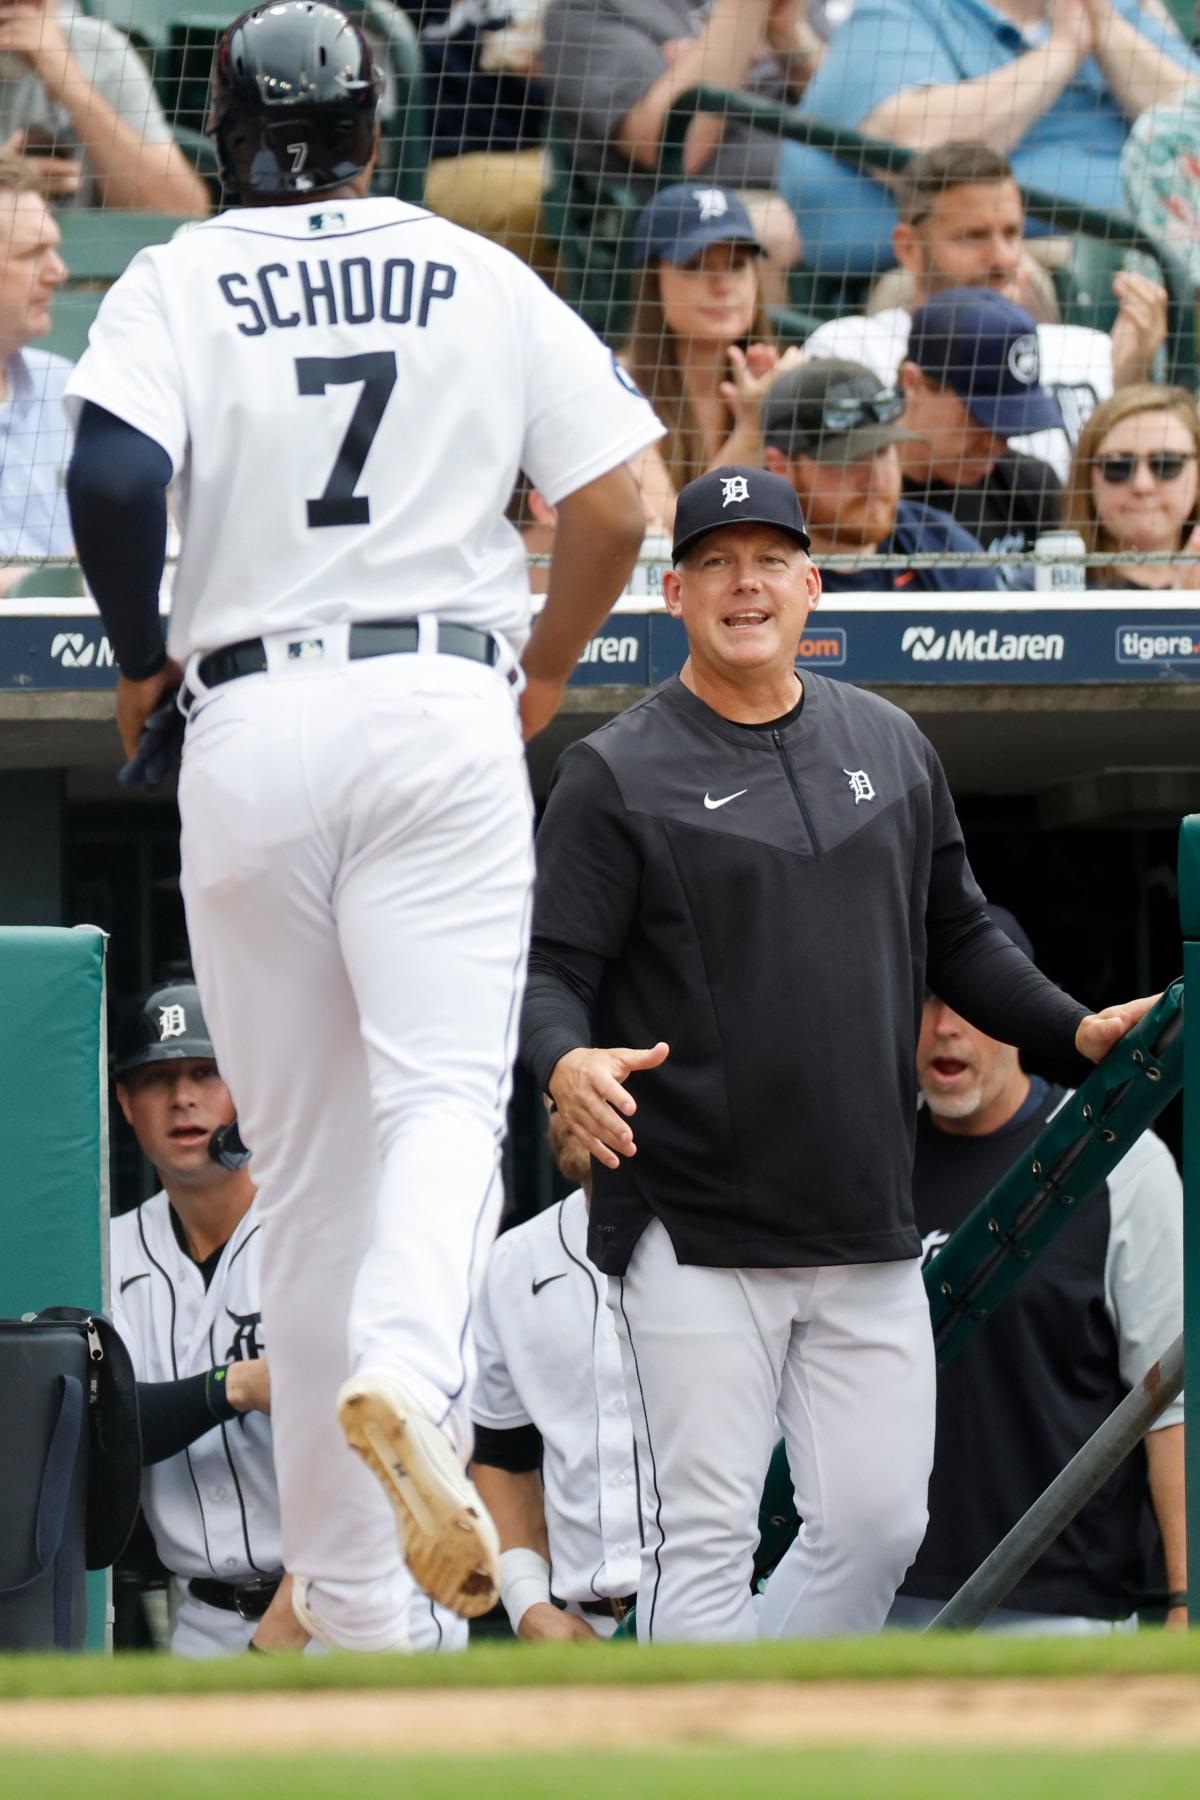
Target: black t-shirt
(1025, 1394)
(1007, 512)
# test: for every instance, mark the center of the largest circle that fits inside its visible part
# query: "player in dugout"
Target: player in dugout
(554, 1454)
(185, 1283)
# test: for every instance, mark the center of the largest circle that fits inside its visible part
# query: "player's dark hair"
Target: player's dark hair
(962, 163)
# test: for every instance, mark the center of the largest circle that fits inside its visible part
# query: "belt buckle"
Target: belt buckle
(252, 1598)
(620, 1607)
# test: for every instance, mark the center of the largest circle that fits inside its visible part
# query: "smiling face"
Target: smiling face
(744, 593)
(712, 298)
(174, 1108)
(31, 269)
(1146, 513)
(964, 1074)
(953, 446)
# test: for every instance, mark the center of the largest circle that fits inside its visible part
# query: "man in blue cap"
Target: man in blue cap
(832, 429)
(744, 883)
(972, 381)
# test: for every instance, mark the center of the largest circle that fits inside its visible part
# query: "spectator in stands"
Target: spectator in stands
(1080, 1329)
(962, 224)
(486, 113)
(35, 438)
(971, 381)
(614, 69)
(1135, 486)
(696, 301)
(74, 81)
(1054, 83)
(554, 1455)
(832, 431)
(1160, 173)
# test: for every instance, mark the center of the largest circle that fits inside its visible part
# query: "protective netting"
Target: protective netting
(931, 259)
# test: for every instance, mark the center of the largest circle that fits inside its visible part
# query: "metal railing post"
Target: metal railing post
(1189, 919)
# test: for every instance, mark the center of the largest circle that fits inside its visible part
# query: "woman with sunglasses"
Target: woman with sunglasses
(1135, 485)
(700, 347)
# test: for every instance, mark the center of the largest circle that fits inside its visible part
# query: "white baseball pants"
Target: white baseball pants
(202, 1632)
(843, 1359)
(357, 865)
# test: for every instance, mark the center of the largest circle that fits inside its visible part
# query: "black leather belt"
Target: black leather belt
(248, 1599)
(615, 1608)
(383, 637)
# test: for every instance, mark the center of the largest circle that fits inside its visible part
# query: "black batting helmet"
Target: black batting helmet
(293, 101)
(165, 1025)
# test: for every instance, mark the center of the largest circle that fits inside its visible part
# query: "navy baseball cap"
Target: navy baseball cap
(985, 348)
(736, 495)
(684, 220)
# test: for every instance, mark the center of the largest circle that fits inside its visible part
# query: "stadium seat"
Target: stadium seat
(49, 583)
(590, 223)
(71, 315)
(98, 244)
(404, 144)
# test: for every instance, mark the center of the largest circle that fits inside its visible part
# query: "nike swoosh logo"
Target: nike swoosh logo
(545, 1282)
(712, 804)
(130, 1279)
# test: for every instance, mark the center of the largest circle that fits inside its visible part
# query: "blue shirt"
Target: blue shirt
(887, 47)
(35, 448)
(919, 530)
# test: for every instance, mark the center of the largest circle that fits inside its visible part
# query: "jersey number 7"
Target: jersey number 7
(376, 370)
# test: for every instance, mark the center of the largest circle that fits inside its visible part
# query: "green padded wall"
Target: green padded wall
(54, 1136)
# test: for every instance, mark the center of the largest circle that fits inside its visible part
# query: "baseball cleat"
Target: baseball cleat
(446, 1533)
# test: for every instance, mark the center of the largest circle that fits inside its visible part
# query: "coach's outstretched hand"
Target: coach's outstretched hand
(1100, 1031)
(586, 1087)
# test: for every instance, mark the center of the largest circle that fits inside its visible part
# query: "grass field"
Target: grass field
(896, 1655)
(1068, 1676)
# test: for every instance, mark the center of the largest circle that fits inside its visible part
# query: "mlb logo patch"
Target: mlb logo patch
(305, 649)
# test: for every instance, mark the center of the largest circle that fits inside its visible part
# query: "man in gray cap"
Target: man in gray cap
(831, 429)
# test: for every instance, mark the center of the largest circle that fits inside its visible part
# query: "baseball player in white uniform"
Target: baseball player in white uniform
(343, 390)
(185, 1284)
(554, 1453)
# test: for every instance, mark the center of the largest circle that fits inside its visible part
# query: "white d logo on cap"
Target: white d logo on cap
(734, 488)
(1023, 360)
(712, 203)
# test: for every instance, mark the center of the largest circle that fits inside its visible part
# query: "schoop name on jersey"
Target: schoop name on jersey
(351, 291)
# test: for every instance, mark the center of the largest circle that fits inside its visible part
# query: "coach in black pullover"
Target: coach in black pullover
(770, 897)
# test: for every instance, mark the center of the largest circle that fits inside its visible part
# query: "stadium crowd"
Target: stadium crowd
(544, 126)
(891, 341)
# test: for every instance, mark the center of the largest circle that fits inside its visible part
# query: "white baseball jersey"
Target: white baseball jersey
(213, 1509)
(1076, 367)
(345, 390)
(549, 1356)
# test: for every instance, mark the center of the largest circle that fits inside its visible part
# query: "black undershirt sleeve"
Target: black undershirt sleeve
(976, 968)
(117, 489)
(175, 1413)
(518, 1452)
